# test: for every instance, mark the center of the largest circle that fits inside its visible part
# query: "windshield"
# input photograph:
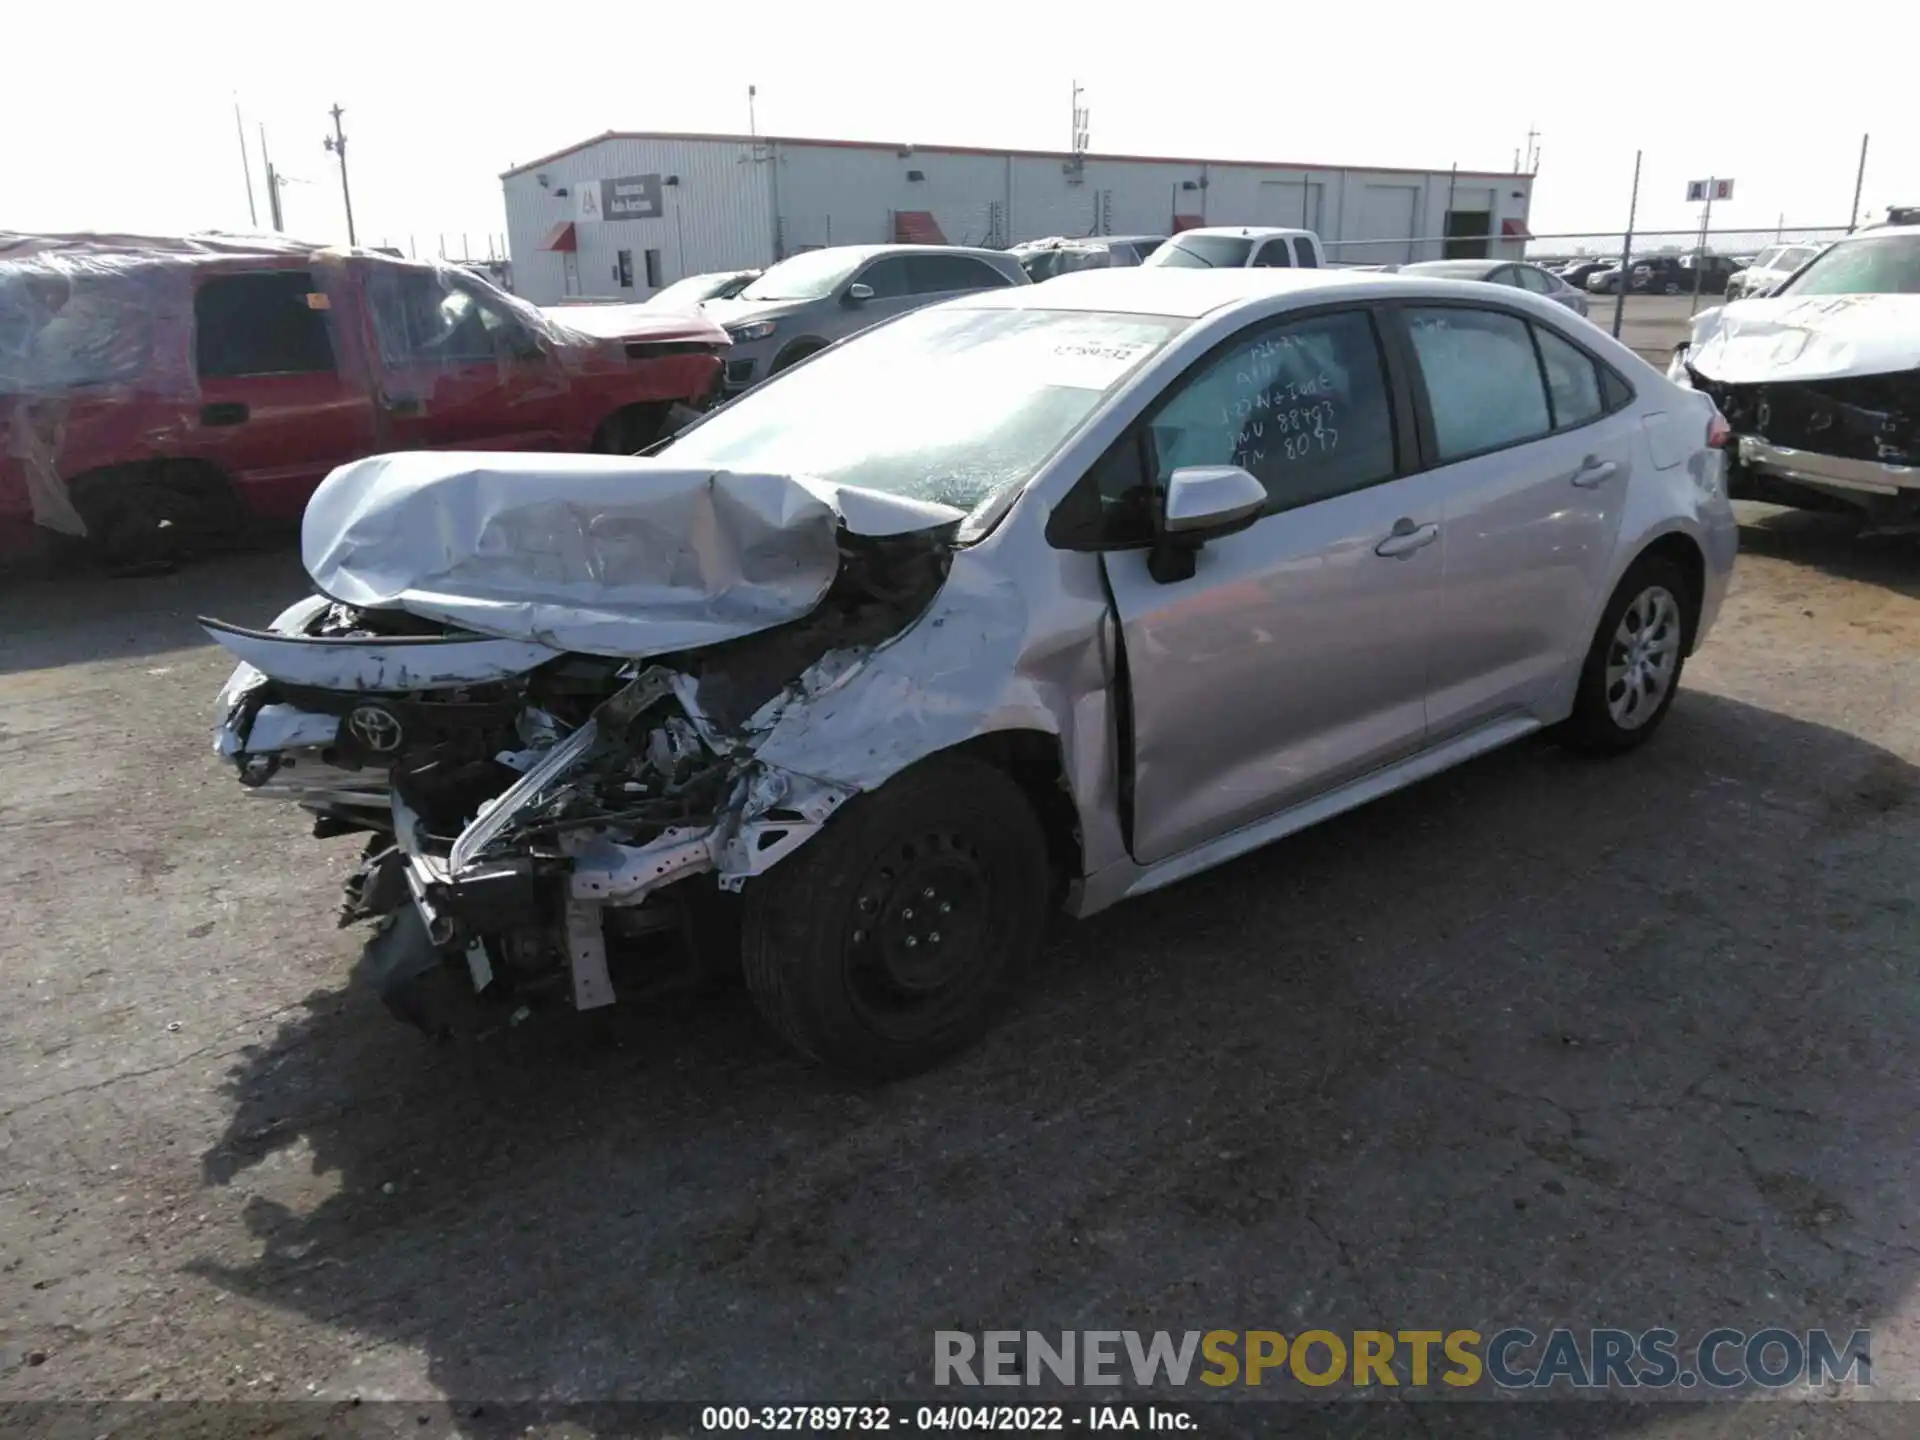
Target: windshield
(810, 276)
(1204, 252)
(1793, 257)
(1764, 260)
(690, 291)
(953, 405)
(1882, 265)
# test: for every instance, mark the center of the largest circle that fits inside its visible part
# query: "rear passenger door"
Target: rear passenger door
(274, 411)
(1534, 443)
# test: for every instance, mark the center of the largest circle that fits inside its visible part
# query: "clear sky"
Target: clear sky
(125, 120)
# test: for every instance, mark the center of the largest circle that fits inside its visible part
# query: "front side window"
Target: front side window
(953, 405)
(1303, 406)
(1482, 379)
(888, 277)
(423, 318)
(260, 324)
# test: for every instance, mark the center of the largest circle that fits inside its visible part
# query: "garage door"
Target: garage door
(1294, 204)
(1386, 220)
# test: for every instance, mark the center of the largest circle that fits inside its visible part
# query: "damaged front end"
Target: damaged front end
(551, 825)
(1824, 395)
(1854, 440)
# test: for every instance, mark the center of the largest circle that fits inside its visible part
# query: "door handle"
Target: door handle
(225, 412)
(1406, 538)
(1592, 471)
(400, 404)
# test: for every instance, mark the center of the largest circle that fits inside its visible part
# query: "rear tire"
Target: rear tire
(891, 939)
(1632, 670)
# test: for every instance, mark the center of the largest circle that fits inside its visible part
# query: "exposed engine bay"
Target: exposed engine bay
(586, 809)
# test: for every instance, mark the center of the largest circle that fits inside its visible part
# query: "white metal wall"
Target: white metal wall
(719, 217)
(738, 202)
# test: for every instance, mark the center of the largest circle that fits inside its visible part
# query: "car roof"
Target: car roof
(1186, 293)
(867, 252)
(1457, 268)
(1254, 232)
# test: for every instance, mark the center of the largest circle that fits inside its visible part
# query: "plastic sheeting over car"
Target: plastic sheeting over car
(112, 346)
(603, 555)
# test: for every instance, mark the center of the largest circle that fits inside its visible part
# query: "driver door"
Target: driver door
(458, 370)
(1294, 658)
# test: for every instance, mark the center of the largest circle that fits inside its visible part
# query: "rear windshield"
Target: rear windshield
(1204, 252)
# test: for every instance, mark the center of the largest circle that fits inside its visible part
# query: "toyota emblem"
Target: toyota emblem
(375, 728)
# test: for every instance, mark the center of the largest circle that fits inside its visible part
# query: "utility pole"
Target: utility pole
(274, 182)
(753, 122)
(337, 143)
(246, 165)
(1859, 179)
(1533, 154)
(1080, 132)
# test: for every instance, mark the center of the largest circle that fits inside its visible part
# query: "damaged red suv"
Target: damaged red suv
(161, 394)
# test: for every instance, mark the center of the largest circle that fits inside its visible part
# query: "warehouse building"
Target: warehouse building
(621, 215)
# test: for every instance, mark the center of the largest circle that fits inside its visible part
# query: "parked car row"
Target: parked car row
(857, 678)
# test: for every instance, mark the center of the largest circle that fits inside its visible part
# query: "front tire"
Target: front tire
(890, 940)
(1632, 670)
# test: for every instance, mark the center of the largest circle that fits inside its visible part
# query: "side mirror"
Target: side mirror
(1207, 501)
(859, 294)
(1201, 503)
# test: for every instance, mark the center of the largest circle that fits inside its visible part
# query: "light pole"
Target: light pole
(337, 143)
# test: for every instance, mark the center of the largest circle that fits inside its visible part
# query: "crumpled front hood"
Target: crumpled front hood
(602, 554)
(1818, 337)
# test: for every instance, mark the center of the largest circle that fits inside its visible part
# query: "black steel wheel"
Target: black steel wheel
(889, 940)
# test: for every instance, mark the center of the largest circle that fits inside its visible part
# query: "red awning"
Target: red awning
(1188, 222)
(916, 227)
(562, 237)
(1515, 230)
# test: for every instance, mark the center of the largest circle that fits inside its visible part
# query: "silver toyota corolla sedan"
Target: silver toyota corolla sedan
(1515, 273)
(1043, 598)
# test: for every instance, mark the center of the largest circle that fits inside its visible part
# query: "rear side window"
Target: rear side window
(1304, 250)
(1482, 379)
(1532, 279)
(1573, 381)
(1274, 255)
(260, 324)
(936, 274)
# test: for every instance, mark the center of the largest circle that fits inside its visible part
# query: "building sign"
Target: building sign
(629, 197)
(1698, 190)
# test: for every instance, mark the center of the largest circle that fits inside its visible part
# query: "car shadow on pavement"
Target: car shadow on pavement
(1543, 1041)
(1835, 544)
(52, 619)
